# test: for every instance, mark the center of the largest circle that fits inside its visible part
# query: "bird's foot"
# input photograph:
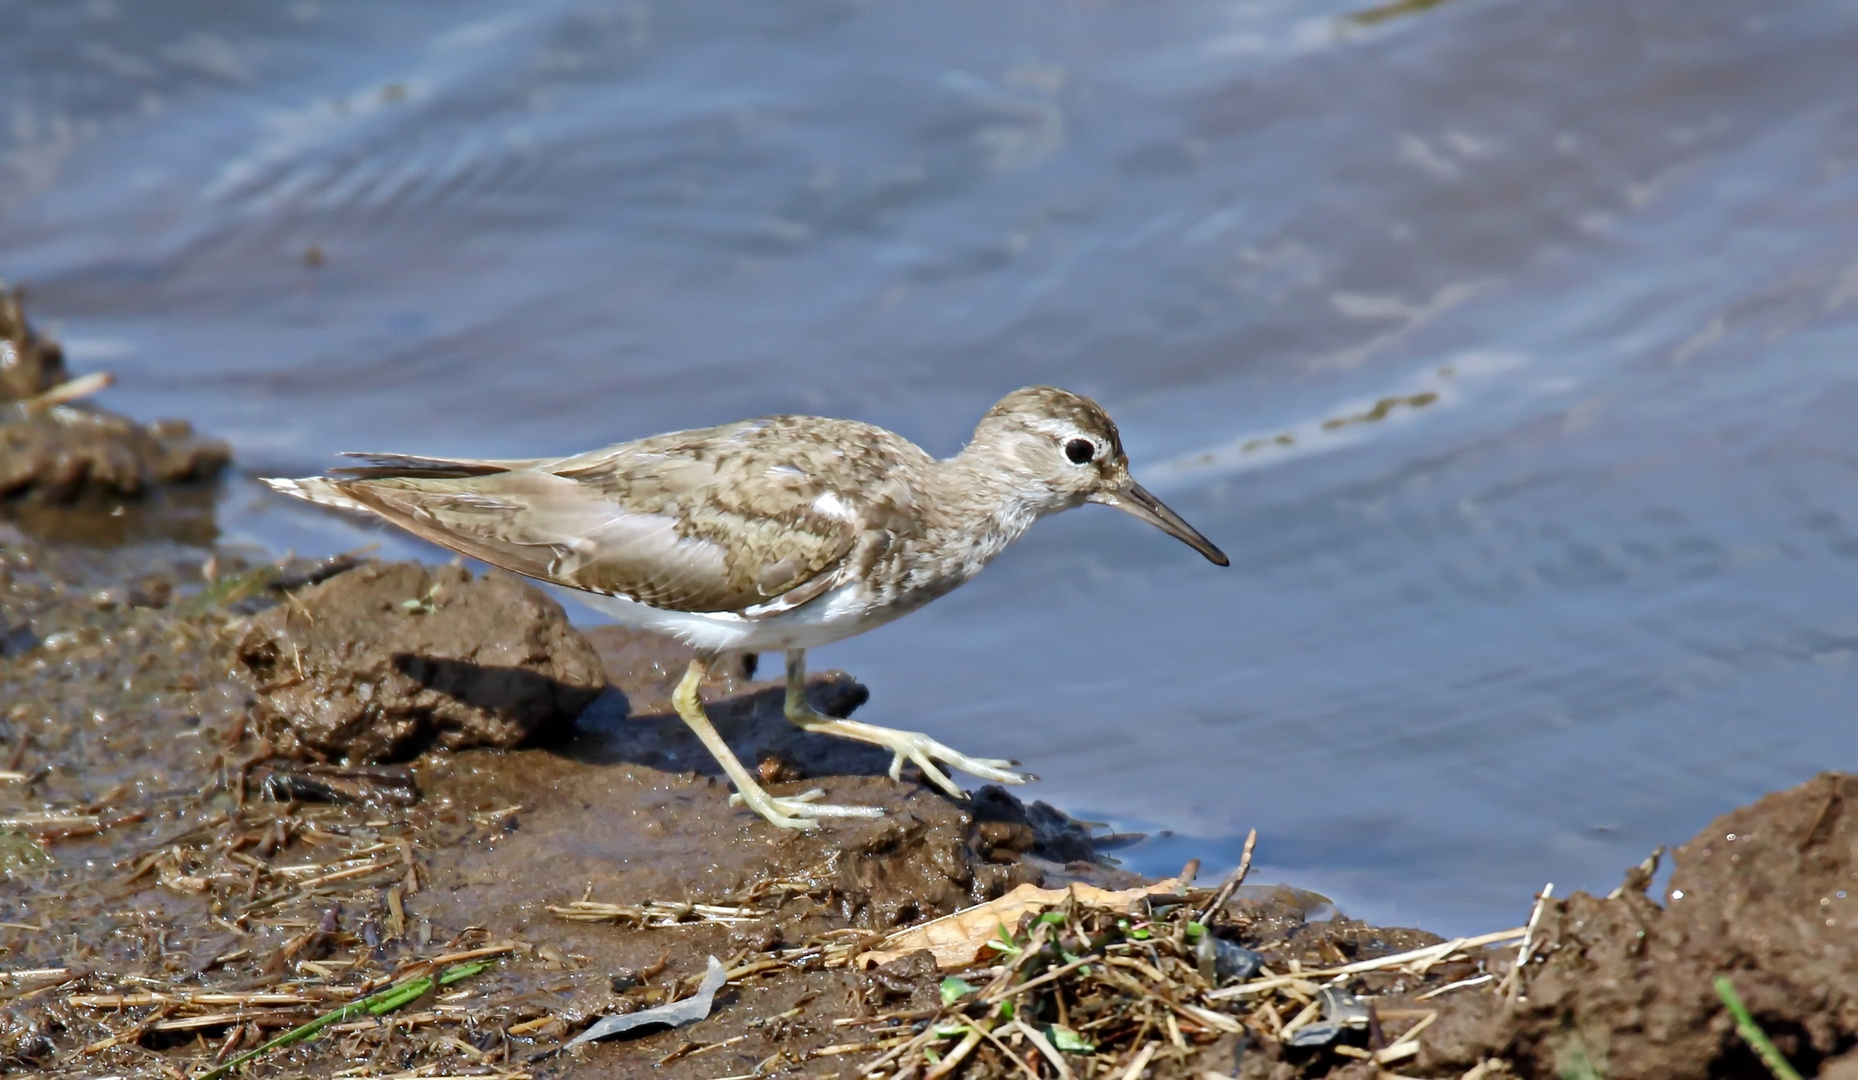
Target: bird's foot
(919, 748)
(798, 811)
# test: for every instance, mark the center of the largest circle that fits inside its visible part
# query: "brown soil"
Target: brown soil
(69, 453)
(1766, 895)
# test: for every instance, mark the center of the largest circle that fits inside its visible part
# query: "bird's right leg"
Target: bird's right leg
(903, 745)
(794, 812)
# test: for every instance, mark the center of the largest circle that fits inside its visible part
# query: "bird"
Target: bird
(779, 533)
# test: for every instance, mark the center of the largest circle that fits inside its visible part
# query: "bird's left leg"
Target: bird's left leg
(904, 745)
(792, 812)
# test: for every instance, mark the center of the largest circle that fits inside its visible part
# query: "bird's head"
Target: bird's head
(1063, 450)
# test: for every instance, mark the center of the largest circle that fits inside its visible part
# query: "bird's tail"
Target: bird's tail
(412, 466)
(316, 489)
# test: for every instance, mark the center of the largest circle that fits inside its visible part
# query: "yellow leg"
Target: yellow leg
(796, 812)
(910, 745)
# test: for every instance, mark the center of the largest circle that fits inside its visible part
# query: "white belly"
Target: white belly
(839, 614)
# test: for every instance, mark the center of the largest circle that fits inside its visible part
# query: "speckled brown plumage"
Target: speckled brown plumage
(719, 519)
(779, 533)
(755, 517)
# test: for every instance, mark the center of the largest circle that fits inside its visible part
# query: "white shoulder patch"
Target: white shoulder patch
(829, 504)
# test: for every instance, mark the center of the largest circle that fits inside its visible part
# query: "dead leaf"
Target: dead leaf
(956, 940)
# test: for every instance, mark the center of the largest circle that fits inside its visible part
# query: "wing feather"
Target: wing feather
(413, 465)
(754, 518)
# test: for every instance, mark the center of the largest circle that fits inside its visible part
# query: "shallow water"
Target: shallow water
(1507, 348)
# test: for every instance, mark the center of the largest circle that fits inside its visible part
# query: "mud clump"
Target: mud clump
(65, 453)
(921, 865)
(55, 452)
(386, 660)
(1767, 895)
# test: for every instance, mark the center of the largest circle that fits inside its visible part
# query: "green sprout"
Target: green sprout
(1751, 1032)
(379, 1003)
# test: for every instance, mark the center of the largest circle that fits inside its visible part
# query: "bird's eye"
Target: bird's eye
(1080, 451)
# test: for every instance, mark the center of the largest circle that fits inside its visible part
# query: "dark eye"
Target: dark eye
(1080, 451)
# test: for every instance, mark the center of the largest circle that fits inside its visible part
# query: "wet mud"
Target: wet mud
(235, 795)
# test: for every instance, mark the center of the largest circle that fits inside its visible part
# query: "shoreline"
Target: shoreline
(165, 837)
(236, 795)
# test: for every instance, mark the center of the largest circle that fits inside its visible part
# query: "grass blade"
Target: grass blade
(1752, 1034)
(379, 1003)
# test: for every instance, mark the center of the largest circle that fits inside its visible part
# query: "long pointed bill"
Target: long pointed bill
(1136, 500)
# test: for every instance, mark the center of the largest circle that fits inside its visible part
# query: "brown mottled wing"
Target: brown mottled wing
(722, 519)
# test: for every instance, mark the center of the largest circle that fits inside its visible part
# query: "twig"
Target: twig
(129, 1036)
(1218, 1021)
(262, 1018)
(68, 391)
(1407, 1044)
(1232, 883)
(657, 913)
(1010, 1055)
(1475, 980)
(1141, 1061)
(858, 1047)
(928, 1035)
(1430, 952)
(1041, 980)
(1038, 1039)
(34, 973)
(957, 1055)
(1308, 1016)
(1512, 983)
(130, 1001)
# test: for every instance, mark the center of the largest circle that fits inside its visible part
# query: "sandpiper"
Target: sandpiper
(784, 532)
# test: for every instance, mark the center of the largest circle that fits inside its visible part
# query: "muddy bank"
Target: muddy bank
(1766, 895)
(233, 797)
(59, 452)
(178, 887)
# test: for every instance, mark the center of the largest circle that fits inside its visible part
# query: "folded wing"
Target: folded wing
(650, 524)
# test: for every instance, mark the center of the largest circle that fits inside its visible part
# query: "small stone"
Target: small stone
(756, 937)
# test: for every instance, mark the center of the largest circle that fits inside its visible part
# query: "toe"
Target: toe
(812, 809)
(937, 776)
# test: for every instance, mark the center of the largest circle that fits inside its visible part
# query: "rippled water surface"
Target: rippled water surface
(1511, 349)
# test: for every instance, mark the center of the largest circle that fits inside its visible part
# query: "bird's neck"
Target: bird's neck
(986, 503)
